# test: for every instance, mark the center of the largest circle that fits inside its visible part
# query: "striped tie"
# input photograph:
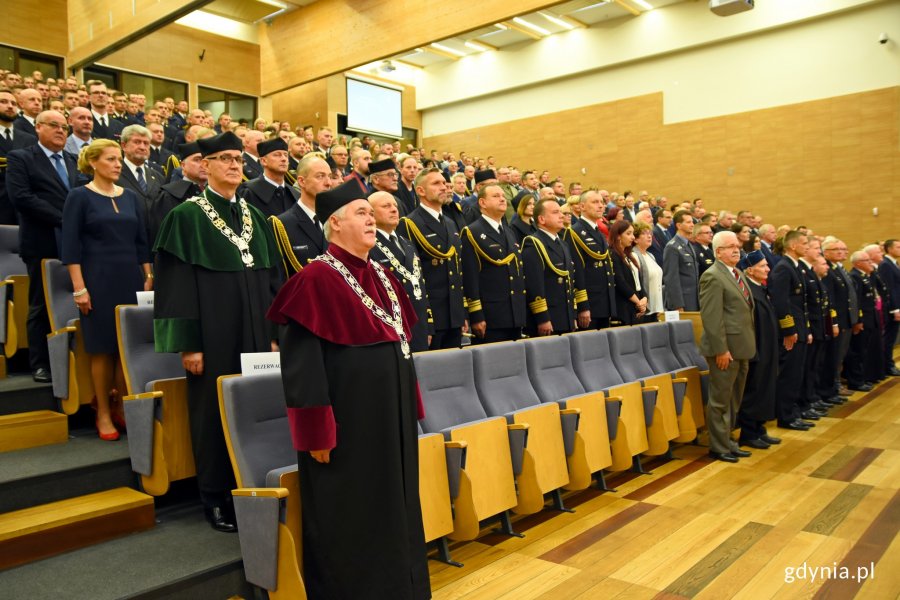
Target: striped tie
(741, 285)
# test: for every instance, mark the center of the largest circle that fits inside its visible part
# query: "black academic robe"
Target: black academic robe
(207, 301)
(392, 258)
(349, 388)
(267, 197)
(758, 403)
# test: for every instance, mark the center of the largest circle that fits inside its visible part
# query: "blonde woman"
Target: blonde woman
(104, 246)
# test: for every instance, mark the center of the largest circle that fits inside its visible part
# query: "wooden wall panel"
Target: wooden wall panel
(299, 105)
(40, 26)
(824, 163)
(173, 52)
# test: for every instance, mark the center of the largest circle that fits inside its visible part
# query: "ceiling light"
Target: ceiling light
(532, 26)
(448, 49)
(557, 20)
(501, 26)
(643, 4)
(476, 45)
(596, 5)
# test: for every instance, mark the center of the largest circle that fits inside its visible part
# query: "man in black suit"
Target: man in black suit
(554, 288)
(252, 168)
(864, 345)
(31, 104)
(591, 253)
(889, 270)
(105, 126)
(177, 191)
(269, 192)
(38, 179)
(842, 297)
(10, 139)
(398, 255)
(136, 174)
(406, 189)
(159, 154)
(661, 235)
(298, 231)
(766, 239)
(702, 245)
(492, 272)
(436, 240)
(120, 109)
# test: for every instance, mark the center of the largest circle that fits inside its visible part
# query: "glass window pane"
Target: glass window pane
(107, 77)
(28, 64)
(242, 108)
(7, 59)
(153, 88)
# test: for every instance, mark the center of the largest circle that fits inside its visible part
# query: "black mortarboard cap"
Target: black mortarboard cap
(330, 200)
(272, 145)
(484, 175)
(380, 166)
(220, 143)
(189, 149)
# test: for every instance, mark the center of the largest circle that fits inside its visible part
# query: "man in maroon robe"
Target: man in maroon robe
(353, 402)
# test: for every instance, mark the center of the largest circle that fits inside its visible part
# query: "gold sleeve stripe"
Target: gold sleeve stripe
(474, 306)
(538, 306)
(787, 322)
(580, 296)
(833, 313)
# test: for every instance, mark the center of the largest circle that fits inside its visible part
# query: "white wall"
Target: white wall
(782, 52)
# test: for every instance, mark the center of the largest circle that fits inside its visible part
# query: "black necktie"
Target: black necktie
(317, 223)
(9, 134)
(278, 195)
(500, 229)
(397, 244)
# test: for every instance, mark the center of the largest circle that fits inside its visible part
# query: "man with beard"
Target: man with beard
(10, 139)
(360, 172)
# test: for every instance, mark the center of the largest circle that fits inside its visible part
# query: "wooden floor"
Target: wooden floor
(764, 528)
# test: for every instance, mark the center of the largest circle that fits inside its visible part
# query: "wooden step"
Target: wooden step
(41, 531)
(31, 429)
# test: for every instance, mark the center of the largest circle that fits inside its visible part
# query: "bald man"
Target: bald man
(31, 103)
(81, 125)
(399, 256)
(252, 166)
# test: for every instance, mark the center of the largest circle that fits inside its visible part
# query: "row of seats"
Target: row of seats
(13, 293)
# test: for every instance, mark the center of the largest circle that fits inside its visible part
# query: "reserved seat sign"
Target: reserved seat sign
(256, 363)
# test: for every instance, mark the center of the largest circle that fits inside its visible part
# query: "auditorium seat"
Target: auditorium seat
(267, 498)
(493, 450)
(159, 436)
(631, 422)
(69, 363)
(658, 352)
(682, 340)
(440, 463)
(13, 292)
(628, 355)
(549, 362)
(501, 379)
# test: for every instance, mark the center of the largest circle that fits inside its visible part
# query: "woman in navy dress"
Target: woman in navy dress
(104, 245)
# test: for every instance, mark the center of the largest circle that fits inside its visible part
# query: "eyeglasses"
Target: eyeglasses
(389, 174)
(227, 159)
(55, 125)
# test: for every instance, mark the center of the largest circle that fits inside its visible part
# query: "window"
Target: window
(26, 62)
(153, 88)
(219, 101)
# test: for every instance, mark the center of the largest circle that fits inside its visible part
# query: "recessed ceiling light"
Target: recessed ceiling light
(589, 7)
(557, 20)
(476, 45)
(529, 25)
(643, 4)
(448, 49)
(501, 26)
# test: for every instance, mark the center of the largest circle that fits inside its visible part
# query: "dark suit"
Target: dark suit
(771, 257)
(727, 315)
(154, 183)
(408, 200)
(20, 140)
(38, 195)
(453, 211)
(268, 198)
(626, 311)
(177, 120)
(705, 257)
(680, 275)
(112, 130)
(495, 293)
(820, 321)
(360, 181)
(788, 293)
(865, 346)
(392, 256)
(24, 125)
(438, 246)
(661, 237)
(591, 253)
(552, 284)
(252, 167)
(170, 195)
(160, 156)
(307, 240)
(890, 275)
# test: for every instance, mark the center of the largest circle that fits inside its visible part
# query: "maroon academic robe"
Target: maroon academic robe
(349, 388)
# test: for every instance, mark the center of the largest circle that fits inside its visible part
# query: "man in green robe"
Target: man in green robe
(214, 282)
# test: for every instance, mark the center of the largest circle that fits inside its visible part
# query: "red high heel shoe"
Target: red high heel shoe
(106, 437)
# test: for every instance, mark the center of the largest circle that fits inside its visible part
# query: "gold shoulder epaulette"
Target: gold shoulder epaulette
(483, 255)
(416, 235)
(288, 258)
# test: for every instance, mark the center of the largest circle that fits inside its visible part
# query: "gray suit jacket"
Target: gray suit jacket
(680, 275)
(727, 316)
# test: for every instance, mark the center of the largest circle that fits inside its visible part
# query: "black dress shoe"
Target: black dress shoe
(796, 425)
(865, 387)
(724, 457)
(757, 443)
(894, 372)
(741, 453)
(834, 400)
(811, 415)
(218, 519)
(808, 424)
(772, 441)
(820, 407)
(41, 375)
